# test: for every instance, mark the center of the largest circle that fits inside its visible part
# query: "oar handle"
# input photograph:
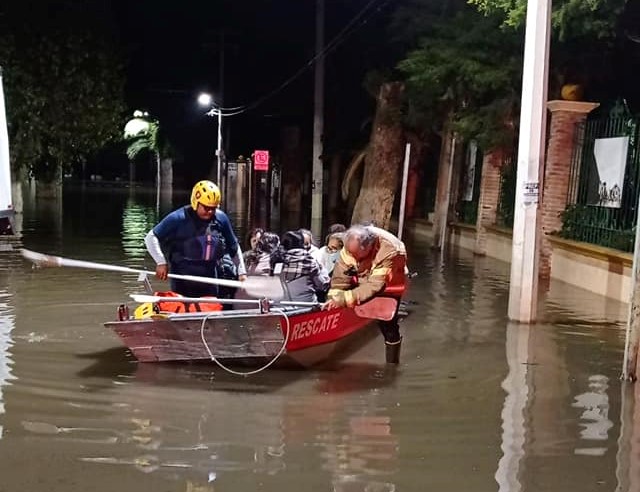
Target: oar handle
(254, 286)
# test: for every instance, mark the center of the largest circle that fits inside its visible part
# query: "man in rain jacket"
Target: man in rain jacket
(372, 263)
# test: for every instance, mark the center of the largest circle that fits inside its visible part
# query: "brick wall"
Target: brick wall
(489, 197)
(565, 118)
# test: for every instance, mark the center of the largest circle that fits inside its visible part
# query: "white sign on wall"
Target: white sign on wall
(611, 161)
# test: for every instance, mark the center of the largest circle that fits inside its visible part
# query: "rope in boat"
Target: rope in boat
(255, 371)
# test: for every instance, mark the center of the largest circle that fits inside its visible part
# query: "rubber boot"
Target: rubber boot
(392, 351)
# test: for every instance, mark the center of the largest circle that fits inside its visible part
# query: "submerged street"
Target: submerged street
(477, 403)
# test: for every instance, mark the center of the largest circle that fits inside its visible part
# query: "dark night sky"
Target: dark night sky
(173, 54)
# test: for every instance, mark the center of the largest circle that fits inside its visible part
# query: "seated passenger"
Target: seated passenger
(329, 253)
(308, 240)
(259, 263)
(252, 241)
(337, 227)
(303, 277)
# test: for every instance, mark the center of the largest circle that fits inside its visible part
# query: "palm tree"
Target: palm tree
(143, 135)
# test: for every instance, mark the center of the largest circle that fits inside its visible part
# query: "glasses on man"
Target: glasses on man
(208, 209)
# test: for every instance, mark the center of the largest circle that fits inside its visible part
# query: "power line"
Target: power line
(346, 31)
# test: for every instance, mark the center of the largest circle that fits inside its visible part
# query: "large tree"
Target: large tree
(588, 45)
(570, 18)
(64, 82)
(465, 74)
(383, 164)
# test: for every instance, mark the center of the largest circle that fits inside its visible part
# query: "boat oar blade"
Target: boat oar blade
(257, 286)
(382, 308)
(264, 286)
(40, 259)
(43, 260)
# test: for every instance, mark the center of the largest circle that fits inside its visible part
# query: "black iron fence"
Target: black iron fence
(507, 197)
(603, 184)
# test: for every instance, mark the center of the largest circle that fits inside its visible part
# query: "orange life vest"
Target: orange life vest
(185, 307)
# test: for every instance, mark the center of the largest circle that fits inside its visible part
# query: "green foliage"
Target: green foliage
(468, 70)
(145, 142)
(63, 83)
(570, 18)
(595, 225)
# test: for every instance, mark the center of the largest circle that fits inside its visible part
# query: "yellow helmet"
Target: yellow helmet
(205, 192)
(145, 310)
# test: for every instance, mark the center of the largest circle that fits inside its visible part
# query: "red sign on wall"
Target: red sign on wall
(261, 160)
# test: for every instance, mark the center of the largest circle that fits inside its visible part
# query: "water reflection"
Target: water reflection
(137, 220)
(7, 320)
(514, 429)
(7, 324)
(558, 404)
(477, 403)
(226, 439)
(594, 418)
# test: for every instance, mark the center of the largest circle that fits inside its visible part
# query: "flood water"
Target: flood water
(477, 403)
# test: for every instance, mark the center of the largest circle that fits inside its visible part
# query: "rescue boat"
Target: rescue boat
(166, 327)
(280, 333)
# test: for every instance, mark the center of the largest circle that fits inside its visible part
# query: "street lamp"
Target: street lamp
(205, 99)
(138, 125)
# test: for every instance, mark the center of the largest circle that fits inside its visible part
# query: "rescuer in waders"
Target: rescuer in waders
(372, 263)
(193, 240)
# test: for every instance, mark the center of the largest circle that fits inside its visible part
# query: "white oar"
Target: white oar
(149, 298)
(142, 298)
(254, 286)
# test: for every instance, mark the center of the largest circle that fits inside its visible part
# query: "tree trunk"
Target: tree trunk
(132, 172)
(443, 190)
(50, 188)
(383, 165)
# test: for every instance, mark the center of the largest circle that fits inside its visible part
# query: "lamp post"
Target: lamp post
(205, 99)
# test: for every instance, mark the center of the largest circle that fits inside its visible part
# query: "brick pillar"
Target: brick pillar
(489, 197)
(565, 118)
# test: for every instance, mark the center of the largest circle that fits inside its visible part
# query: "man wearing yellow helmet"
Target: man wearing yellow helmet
(194, 239)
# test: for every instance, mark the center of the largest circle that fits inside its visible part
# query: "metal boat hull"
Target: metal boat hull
(245, 337)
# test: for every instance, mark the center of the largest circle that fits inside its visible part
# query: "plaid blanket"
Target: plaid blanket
(297, 263)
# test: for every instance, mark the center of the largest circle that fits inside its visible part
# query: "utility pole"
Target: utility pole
(523, 289)
(630, 360)
(318, 125)
(219, 151)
